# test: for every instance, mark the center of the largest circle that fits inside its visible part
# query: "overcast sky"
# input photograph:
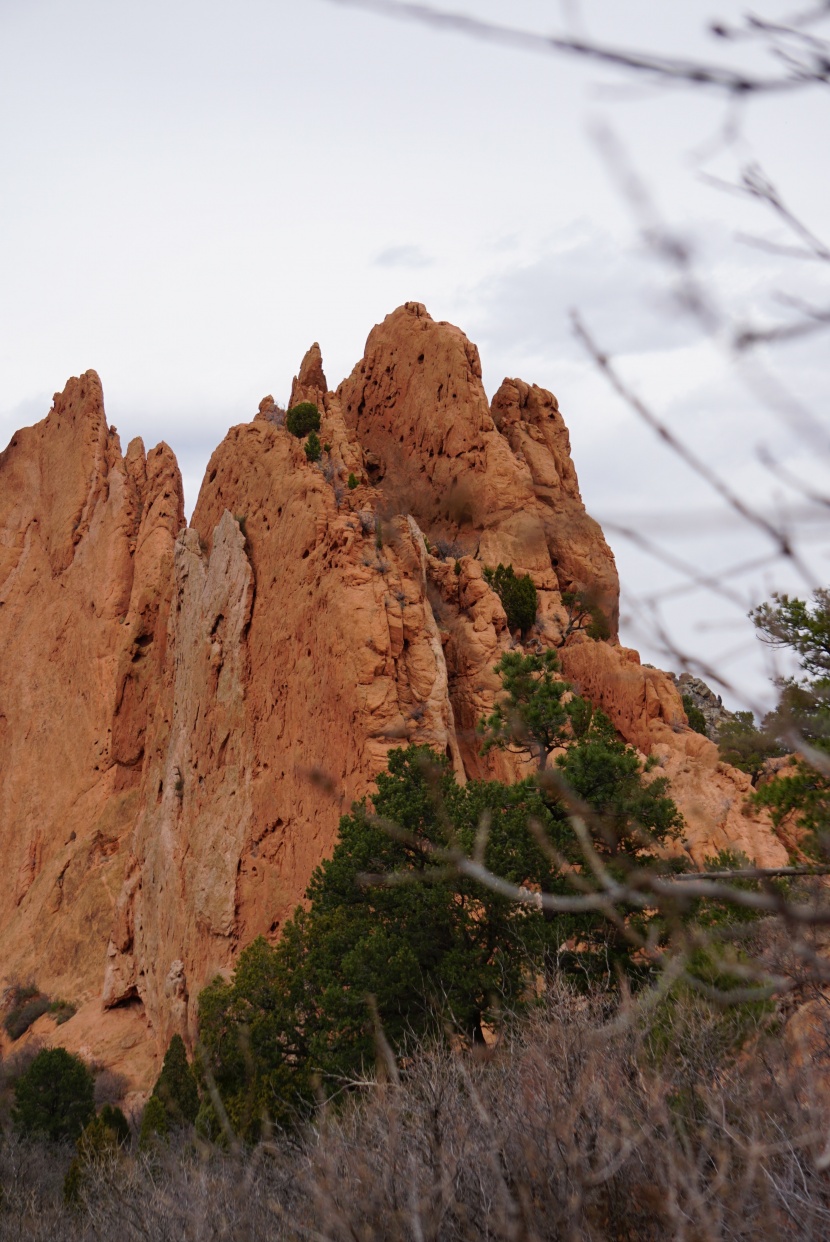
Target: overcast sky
(191, 193)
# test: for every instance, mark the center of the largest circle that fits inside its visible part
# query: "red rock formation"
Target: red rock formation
(184, 719)
(501, 483)
(646, 708)
(86, 542)
(299, 652)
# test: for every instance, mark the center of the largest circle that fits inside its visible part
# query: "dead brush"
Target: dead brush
(587, 1120)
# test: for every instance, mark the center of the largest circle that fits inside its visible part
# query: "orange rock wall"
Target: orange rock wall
(186, 713)
(86, 550)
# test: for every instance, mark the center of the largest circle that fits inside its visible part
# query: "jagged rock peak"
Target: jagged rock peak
(233, 687)
(498, 483)
(310, 384)
(86, 551)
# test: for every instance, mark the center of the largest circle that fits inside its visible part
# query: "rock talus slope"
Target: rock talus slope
(235, 685)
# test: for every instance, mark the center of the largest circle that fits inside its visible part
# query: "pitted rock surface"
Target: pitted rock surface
(185, 713)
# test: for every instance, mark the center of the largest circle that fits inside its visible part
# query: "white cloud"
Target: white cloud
(402, 256)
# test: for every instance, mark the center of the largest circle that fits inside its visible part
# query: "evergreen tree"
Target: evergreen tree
(113, 1117)
(176, 1086)
(303, 418)
(517, 594)
(747, 747)
(154, 1127)
(312, 447)
(97, 1143)
(394, 934)
(54, 1097)
(536, 712)
(802, 719)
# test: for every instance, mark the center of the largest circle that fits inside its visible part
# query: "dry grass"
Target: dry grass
(582, 1124)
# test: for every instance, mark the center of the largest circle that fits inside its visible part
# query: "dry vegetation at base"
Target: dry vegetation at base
(585, 1123)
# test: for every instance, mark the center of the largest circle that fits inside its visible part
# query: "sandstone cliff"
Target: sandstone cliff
(86, 552)
(185, 713)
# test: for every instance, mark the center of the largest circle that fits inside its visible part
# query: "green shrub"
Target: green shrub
(154, 1128)
(326, 448)
(54, 1097)
(312, 447)
(62, 1011)
(113, 1117)
(746, 747)
(517, 594)
(585, 616)
(97, 1142)
(352, 482)
(22, 1016)
(176, 1086)
(690, 1027)
(694, 715)
(303, 418)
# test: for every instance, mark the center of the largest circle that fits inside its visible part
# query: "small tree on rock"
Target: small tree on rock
(303, 418)
(535, 713)
(584, 616)
(312, 447)
(747, 747)
(802, 719)
(517, 594)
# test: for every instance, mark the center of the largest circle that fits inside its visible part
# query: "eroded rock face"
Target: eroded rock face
(646, 707)
(706, 701)
(86, 550)
(186, 713)
(500, 483)
(299, 653)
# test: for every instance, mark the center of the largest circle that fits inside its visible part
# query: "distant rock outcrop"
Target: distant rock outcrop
(703, 697)
(185, 713)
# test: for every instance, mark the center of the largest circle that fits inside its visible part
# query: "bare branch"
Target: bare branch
(685, 454)
(667, 69)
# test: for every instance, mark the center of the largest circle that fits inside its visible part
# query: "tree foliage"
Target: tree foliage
(792, 623)
(154, 1128)
(99, 1141)
(54, 1097)
(802, 719)
(112, 1116)
(394, 939)
(584, 616)
(694, 715)
(517, 594)
(747, 747)
(303, 418)
(538, 712)
(176, 1086)
(312, 447)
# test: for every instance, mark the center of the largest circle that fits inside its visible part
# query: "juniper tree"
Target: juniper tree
(536, 711)
(54, 1097)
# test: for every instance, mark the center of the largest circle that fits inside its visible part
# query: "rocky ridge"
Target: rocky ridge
(707, 702)
(185, 712)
